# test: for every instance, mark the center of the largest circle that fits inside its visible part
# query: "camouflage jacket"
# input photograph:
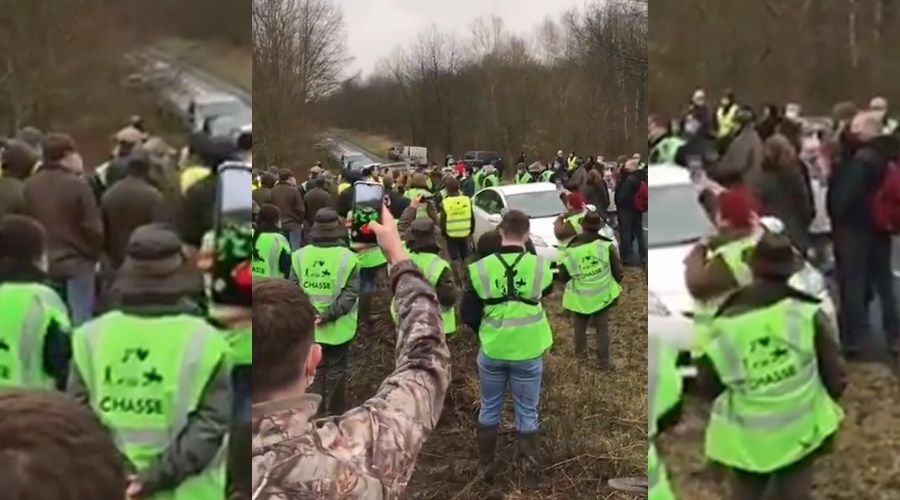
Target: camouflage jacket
(369, 452)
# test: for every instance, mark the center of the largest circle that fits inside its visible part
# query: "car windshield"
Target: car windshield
(677, 216)
(537, 205)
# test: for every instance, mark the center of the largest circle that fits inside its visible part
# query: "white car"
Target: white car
(206, 107)
(539, 201)
(679, 222)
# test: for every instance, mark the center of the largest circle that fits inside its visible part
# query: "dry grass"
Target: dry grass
(230, 63)
(864, 464)
(376, 145)
(594, 425)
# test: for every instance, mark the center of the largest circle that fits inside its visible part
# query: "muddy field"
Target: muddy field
(594, 424)
(865, 464)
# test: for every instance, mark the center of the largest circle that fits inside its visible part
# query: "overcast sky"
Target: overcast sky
(376, 27)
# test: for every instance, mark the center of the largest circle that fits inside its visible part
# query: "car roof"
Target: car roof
(514, 189)
(215, 98)
(667, 175)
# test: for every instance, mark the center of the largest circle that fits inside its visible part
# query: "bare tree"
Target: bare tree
(299, 52)
(574, 83)
(817, 53)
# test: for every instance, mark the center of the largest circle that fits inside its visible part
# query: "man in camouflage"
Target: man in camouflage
(369, 452)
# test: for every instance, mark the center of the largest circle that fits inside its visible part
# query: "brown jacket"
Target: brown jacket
(293, 210)
(262, 196)
(65, 205)
(127, 205)
(315, 200)
(743, 158)
(760, 295)
(12, 196)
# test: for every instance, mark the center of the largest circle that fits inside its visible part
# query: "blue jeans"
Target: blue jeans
(295, 238)
(368, 279)
(241, 380)
(80, 295)
(524, 379)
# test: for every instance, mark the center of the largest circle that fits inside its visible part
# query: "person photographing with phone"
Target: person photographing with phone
(355, 455)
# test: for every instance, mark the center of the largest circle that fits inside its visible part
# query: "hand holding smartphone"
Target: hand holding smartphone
(368, 201)
(232, 280)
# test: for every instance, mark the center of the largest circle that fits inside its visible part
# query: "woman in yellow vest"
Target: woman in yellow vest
(718, 265)
(592, 271)
(774, 375)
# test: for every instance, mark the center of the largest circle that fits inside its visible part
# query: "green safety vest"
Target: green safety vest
(323, 273)
(144, 386)
(523, 178)
(411, 194)
(371, 258)
(433, 267)
(664, 389)
(546, 175)
(666, 150)
(241, 343)
(490, 181)
(592, 286)
(478, 177)
(575, 221)
(26, 312)
(726, 119)
(270, 246)
(775, 409)
(572, 162)
(732, 254)
(458, 216)
(514, 326)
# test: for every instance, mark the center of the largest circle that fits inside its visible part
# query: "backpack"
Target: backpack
(885, 204)
(641, 201)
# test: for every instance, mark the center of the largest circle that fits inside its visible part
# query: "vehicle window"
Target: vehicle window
(490, 202)
(538, 205)
(470, 156)
(678, 218)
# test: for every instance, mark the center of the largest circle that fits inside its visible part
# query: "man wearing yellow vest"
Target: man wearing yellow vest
(727, 123)
(34, 321)
(418, 189)
(592, 271)
(504, 306)
(271, 250)
(328, 272)
(774, 375)
(158, 374)
(421, 240)
(457, 221)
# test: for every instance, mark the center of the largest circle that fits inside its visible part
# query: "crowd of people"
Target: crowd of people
(118, 377)
(769, 360)
(312, 296)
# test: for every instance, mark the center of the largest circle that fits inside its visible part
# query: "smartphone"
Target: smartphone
(232, 276)
(368, 199)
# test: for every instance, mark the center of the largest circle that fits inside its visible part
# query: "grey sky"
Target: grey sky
(376, 27)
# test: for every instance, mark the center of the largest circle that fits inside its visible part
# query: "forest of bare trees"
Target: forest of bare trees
(62, 63)
(299, 52)
(813, 52)
(578, 82)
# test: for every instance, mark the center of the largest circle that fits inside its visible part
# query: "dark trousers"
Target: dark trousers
(631, 231)
(793, 482)
(863, 272)
(239, 449)
(330, 380)
(458, 249)
(600, 322)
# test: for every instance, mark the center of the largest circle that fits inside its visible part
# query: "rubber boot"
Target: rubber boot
(487, 451)
(529, 447)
